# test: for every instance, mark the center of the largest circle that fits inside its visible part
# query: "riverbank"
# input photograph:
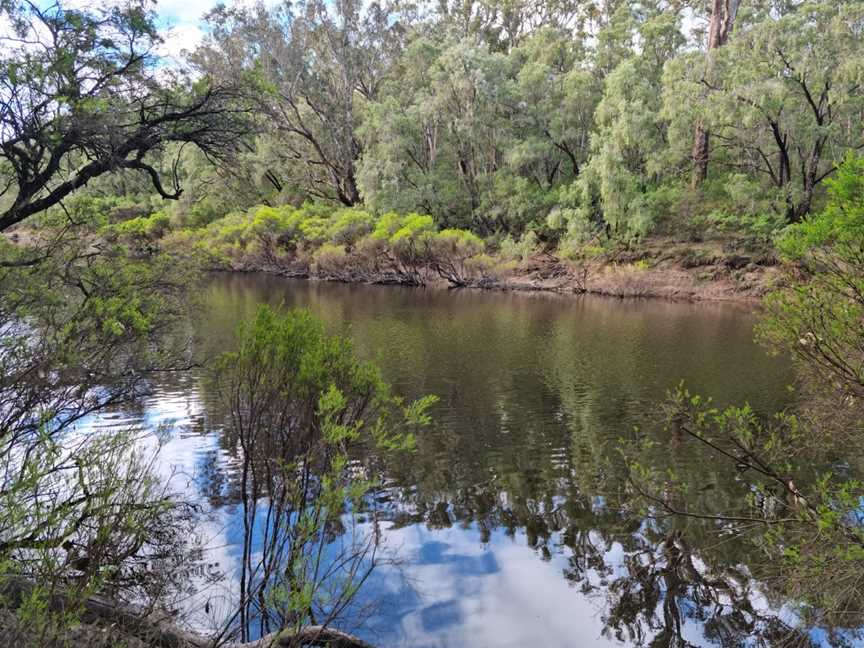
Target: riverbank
(101, 622)
(353, 246)
(657, 267)
(721, 278)
(660, 270)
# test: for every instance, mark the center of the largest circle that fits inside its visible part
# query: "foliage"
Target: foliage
(839, 228)
(797, 505)
(490, 136)
(341, 244)
(521, 249)
(381, 142)
(780, 94)
(819, 320)
(301, 406)
(81, 99)
(331, 261)
(349, 226)
(586, 113)
(320, 64)
(627, 162)
(140, 233)
(450, 251)
(407, 238)
(82, 327)
(804, 517)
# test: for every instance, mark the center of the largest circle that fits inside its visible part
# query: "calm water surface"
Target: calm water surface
(502, 519)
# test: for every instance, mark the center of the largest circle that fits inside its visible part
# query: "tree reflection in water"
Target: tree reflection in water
(536, 395)
(296, 402)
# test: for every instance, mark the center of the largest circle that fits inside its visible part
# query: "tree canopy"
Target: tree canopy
(495, 116)
(81, 94)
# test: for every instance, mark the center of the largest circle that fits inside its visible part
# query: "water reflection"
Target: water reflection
(507, 520)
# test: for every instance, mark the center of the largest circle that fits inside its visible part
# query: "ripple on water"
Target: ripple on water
(501, 539)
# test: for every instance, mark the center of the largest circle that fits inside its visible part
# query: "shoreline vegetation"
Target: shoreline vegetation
(631, 148)
(350, 245)
(105, 623)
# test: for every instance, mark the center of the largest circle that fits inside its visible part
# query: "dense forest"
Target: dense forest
(574, 127)
(567, 119)
(561, 145)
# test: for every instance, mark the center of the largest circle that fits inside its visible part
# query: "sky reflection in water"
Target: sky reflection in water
(500, 538)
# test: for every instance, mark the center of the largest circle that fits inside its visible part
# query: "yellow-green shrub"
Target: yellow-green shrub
(348, 226)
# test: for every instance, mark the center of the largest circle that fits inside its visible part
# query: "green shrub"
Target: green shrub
(413, 228)
(819, 319)
(840, 227)
(761, 228)
(521, 249)
(314, 230)
(349, 226)
(141, 234)
(454, 243)
(394, 228)
(276, 228)
(275, 221)
(448, 252)
(301, 403)
(200, 214)
(223, 242)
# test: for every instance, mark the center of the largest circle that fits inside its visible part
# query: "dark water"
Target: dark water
(504, 519)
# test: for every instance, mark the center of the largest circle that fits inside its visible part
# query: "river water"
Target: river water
(501, 522)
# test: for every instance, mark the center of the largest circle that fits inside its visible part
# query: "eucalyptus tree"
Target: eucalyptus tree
(308, 68)
(82, 94)
(615, 29)
(478, 138)
(722, 20)
(627, 160)
(446, 118)
(505, 24)
(557, 95)
(784, 99)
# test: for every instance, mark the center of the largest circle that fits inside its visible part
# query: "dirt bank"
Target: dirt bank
(664, 271)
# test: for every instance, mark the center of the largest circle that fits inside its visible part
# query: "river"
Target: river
(501, 522)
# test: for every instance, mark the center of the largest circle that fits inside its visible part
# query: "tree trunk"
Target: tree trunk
(722, 19)
(701, 148)
(811, 170)
(351, 193)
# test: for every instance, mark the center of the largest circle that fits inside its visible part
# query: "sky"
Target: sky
(182, 20)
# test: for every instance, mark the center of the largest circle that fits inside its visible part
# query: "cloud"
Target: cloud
(184, 12)
(180, 38)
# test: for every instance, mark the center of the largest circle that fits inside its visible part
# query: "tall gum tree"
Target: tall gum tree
(476, 137)
(723, 14)
(784, 101)
(308, 68)
(627, 152)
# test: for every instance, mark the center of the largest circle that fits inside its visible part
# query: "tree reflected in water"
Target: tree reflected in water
(536, 397)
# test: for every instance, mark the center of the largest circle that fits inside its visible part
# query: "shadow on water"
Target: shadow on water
(507, 522)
